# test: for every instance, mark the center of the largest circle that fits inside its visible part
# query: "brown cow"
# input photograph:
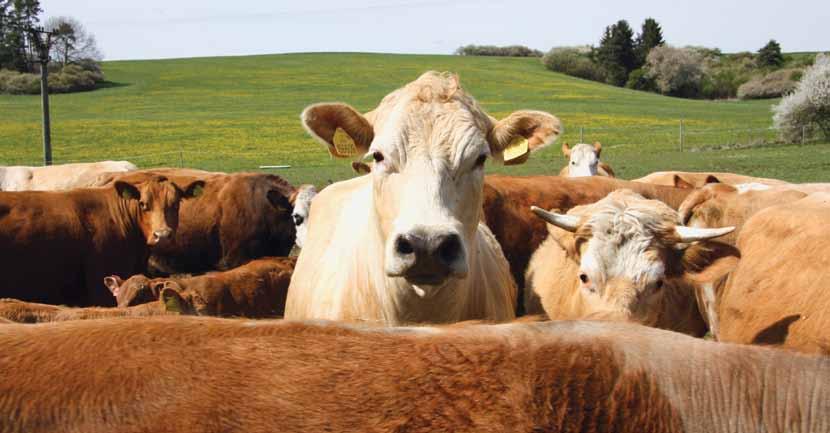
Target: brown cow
(17, 311)
(507, 201)
(58, 246)
(255, 289)
(626, 257)
(205, 375)
(778, 293)
(240, 216)
(690, 179)
(719, 205)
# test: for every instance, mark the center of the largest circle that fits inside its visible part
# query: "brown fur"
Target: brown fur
(720, 205)
(782, 274)
(255, 289)
(507, 201)
(288, 376)
(58, 246)
(16, 311)
(239, 217)
(697, 180)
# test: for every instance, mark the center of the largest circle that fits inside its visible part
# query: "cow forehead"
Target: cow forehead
(583, 151)
(161, 192)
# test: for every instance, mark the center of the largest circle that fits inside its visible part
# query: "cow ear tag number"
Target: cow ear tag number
(344, 144)
(516, 152)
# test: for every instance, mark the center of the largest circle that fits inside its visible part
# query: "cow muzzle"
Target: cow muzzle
(427, 259)
(160, 236)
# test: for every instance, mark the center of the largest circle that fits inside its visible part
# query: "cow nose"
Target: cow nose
(161, 235)
(428, 259)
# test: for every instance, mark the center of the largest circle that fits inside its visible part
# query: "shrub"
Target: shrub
(638, 79)
(722, 83)
(808, 107)
(71, 78)
(492, 50)
(772, 85)
(770, 54)
(675, 71)
(572, 61)
(16, 83)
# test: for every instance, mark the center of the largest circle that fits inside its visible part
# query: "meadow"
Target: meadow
(238, 113)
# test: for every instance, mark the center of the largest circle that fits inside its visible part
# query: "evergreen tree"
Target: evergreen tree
(17, 17)
(650, 36)
(770, 54)
(616, 53)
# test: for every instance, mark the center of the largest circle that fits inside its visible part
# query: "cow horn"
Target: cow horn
(691, 234)
(565, 222)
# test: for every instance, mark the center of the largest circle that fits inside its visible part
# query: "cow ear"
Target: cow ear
(712, 179)
(113, 282)
(157, 286)
(708, 262)
(597, 148)
(679, 182)
(127, 191)
(174, 302)
(195, 189)
(279, 201)
(361, 167)
(514, 137)
(344, 131)
(566, 150)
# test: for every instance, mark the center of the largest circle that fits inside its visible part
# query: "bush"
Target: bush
(675, 71)
(722, 83)
(492, 50)
(638, 79)
(71, 78)
(808, 107)
(572, 61)
(772, 85)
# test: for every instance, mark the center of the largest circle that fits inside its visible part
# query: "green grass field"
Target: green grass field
(237, 113)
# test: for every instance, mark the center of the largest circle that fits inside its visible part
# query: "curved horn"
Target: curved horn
(691, 234)
(565, 222)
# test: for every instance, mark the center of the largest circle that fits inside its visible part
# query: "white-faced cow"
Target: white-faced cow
(405, 244)
(625, 257)
(583, 160)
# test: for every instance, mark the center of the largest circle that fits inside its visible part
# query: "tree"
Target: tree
(18, 17)
(71, 42)
(675, 71)
(808, 107)
(616, 53)
(770, 54)
(650, 36)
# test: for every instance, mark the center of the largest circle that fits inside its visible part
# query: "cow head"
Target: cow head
(155, 202)
(136, 290)
(428, 142)
(183, 301)
(630, 251)
(301, 200)
(583, 159)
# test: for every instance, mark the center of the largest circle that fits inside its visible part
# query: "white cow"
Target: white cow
(404, 244)
(583, 160)
(58, 177)
(302, 204)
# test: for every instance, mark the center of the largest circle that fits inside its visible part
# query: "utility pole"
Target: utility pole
(42, 46)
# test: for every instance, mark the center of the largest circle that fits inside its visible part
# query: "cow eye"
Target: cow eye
(480, 161)
(583, 278)
(298, 219)
(377, 156)
(659, 284)
(573, 162)
(142, 205)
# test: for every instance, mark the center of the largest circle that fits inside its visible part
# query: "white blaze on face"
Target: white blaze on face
(583, 161)
(302, 206)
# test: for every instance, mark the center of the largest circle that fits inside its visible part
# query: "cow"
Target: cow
(778, 294)
(720, 204)
(256, 289)
(302, 204)
(58, 177)
(507, 202)
(58, 246)
(583, 160)
(16, 311)
(405, 243)
(239, 217)
(688, 179)
(626, 257)
(208, 375)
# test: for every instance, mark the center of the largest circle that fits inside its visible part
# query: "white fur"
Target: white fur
(58, 177)
(583, 162)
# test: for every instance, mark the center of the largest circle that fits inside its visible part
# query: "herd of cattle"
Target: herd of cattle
(566, 277)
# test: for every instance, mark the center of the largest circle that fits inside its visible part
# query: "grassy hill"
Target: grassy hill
(236, 113)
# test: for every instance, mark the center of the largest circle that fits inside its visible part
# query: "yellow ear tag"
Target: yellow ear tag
(343, 144)
(516, 150)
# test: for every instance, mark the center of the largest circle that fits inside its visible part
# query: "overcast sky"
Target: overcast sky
(190, 28)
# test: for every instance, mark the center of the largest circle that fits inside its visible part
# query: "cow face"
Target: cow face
(428, 142)
(629, 251)
(301, 200)
(184, 301)
(583, 159)
(136, 290)
(155, 203)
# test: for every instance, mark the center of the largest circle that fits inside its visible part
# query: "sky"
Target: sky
(151, 29)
